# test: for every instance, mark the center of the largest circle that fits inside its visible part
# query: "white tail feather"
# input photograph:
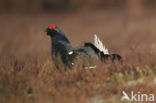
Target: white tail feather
(99, 45)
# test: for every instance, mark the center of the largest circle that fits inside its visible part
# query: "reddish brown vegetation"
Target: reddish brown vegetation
(27, 74)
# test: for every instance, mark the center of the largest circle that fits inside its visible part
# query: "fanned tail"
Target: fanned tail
(99, 45)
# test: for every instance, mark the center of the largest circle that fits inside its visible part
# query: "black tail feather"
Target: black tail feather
(112, 57)
(87, 44)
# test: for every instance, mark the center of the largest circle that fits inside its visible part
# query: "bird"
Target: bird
(62, 49)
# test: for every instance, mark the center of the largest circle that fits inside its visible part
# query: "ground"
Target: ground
(27, 73)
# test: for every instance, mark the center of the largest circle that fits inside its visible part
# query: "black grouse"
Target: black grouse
(62, 49)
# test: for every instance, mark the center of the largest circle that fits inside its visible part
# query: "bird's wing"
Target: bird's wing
(99, 45)
(96, 50)
(66, 53)
(64, 45)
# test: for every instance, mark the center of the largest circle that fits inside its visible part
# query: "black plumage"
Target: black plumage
(61, 47)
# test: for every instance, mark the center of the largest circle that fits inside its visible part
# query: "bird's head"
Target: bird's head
(52, 29)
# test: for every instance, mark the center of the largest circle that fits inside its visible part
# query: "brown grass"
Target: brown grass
(27, 74)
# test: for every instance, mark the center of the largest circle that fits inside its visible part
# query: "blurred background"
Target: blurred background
(27, 75)
(121, 24)
(72, 5)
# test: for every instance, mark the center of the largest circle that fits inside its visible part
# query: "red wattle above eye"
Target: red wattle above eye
(52, 26)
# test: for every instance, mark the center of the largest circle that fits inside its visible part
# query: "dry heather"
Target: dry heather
(27, 74)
